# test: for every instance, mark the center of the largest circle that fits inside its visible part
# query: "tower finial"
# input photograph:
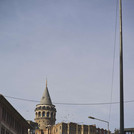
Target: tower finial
(46, 82)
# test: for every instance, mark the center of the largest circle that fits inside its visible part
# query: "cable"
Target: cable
(113, 59)
(80, 104)
(21, 99)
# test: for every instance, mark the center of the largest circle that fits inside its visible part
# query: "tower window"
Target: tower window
(39, 114)
(36, 114)
(43, 114)
(43, 107)
(51, 115)
(54, 115)
(48, 108)
(47, 114)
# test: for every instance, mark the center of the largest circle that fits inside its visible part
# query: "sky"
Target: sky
(72, 44)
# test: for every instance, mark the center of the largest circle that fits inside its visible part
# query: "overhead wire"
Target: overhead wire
(79, 104)
(113, 64)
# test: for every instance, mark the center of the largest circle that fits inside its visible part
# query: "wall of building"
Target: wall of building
(45, 115)
(71, 128)
(11, 122)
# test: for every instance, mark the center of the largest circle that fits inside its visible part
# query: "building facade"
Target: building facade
(126, 131)
(11, 122)
(68, 128)
(45, 117)
(129, 130)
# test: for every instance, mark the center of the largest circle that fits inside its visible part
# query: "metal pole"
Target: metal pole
(108, 128)
(104, 121)
(121, 74)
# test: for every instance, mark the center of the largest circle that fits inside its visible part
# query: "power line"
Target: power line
(113, 64)
(78, 104)
(21, 99)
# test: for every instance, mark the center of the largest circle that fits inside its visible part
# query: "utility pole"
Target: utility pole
(121, 74)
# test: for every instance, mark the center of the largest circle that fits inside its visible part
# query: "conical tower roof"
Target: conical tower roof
(46, 100)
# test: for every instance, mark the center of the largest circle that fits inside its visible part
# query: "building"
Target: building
(126, 131)
(11, 122)
(45, 112)
(101, 131)
(33, 125)
(67, 128)
(45, 116)
(129, 130)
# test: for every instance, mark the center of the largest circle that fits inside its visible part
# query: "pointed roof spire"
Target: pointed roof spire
(46, 82)
(46, 100)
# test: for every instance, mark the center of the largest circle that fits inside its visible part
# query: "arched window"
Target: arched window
(39, 114)
(52, 115)
(43, 114)
(43, 107)
(48, 107)
(47, 114)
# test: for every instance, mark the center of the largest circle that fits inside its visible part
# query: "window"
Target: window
(43, 107)
(3, 114)
(43, 114)
(47, 107)
(54, 115)
(2, 130)
(91, 130)
(7, 132)
(51, 115)
(47, 114)
(39, 114)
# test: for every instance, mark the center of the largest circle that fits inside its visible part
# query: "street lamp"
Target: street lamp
(100, 120)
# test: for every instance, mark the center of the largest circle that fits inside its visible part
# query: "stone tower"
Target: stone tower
(45, 112)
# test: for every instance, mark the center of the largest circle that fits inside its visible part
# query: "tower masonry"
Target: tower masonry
(45, 112)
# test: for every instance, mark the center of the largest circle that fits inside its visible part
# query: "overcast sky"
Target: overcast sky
(71, 42)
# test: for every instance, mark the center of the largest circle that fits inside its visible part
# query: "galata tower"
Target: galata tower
(45, 112)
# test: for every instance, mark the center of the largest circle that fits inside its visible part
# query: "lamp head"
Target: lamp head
(91, 117)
